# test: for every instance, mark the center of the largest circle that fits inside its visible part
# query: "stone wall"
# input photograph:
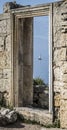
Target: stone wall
(63, 101)
(8, 63)
(58, 56)
(60, 62)
(5, 55)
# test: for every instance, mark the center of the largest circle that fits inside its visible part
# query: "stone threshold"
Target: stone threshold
(40, 116)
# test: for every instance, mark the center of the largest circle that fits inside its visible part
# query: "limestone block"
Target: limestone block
(7, 116)
(64, 78)
(56, 18)
(1, 43)
(57, 74)
(60, 40)
(5, 43)
(57, 37)
(64, 85)
(60, 54)
(64, 67)
(6, 73)
(5, 60)
(63, 105)
(8, 43)
(63, 41)
(63, 93)
(1, 73)
(57, 86)
(3, 26)
(57, 100)
(58, 64)
(2, 60)
(37, 115)
(63, 118)
(8, 26)
(7, 84)
(64, 38)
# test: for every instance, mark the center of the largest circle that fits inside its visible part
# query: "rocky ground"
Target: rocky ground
(22, 126)
(9, 120)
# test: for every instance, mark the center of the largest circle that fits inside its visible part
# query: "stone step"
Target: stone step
(40, 116)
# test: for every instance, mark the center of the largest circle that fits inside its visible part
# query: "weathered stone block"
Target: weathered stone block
(57, 64)
(56, 14)
(2, 60)
(64, 78)
(57, 86)
(8, 26)
(60, 54)
(1, 43)
(42, 117)
(63, 118)
(57, 36)
(57, 74)
(63, 105)
(1, 73)
(64, 67)
(64, 85)
(57, 98)
(5, 60)
(64, 38)
(6, 73)
(63, 93)
(8, 43)
(60, 40)
(3, 26)
(7, 85)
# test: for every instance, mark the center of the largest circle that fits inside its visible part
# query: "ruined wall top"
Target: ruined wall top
(10, 5)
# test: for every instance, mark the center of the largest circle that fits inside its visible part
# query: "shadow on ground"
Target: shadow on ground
(17, 124)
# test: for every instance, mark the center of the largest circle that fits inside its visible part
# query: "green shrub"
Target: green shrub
(38, 81)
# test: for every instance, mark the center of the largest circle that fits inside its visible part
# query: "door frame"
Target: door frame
(26, 12)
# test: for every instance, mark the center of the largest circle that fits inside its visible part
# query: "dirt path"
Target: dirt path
(23, 126)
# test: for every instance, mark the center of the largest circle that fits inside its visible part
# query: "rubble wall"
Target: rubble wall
(5, 56)
(60, 62)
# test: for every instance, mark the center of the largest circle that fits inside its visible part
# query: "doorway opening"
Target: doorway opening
(24, 57)
(41, 62)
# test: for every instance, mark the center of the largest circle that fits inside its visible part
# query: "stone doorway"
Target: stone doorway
(23, 55)
(14, 74)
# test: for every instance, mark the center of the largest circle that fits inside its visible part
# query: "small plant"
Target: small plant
(39, 81)
(56, 124)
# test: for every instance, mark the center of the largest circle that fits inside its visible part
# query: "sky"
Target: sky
(40, 39)
(41, 48)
